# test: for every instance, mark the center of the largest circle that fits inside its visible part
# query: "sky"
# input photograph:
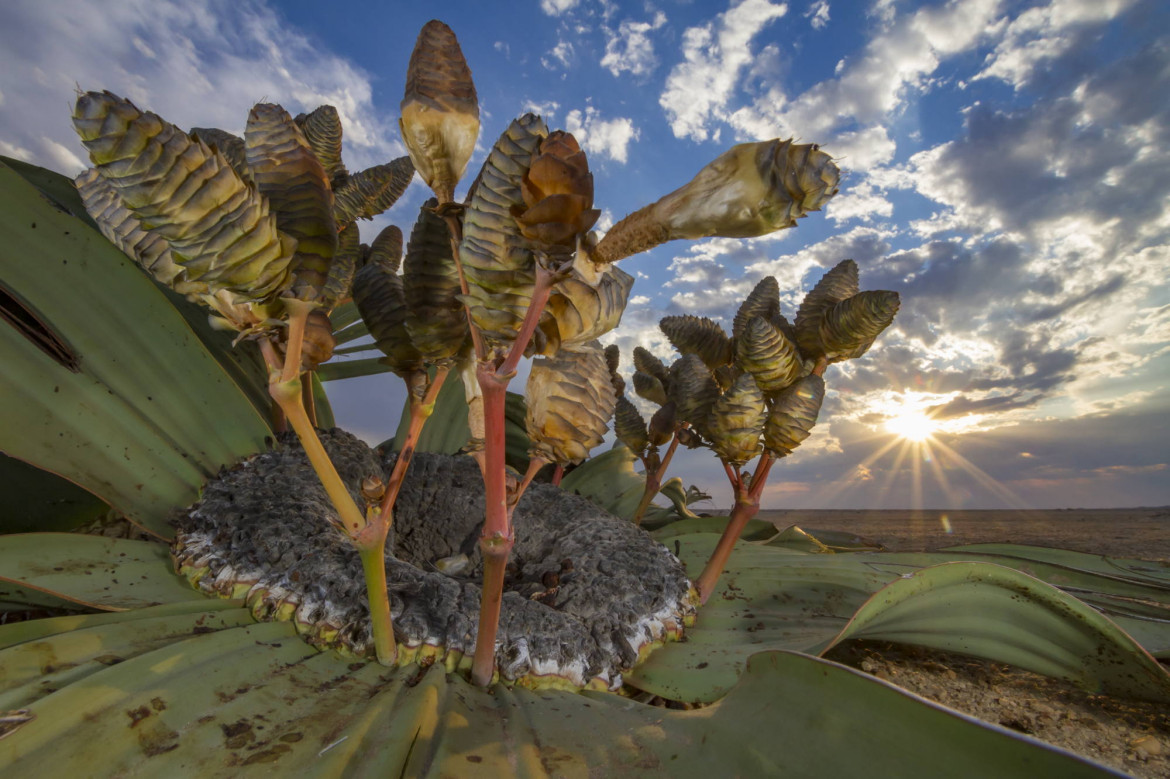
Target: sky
(1006, 170)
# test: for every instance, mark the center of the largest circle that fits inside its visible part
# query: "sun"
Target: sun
(912, 426)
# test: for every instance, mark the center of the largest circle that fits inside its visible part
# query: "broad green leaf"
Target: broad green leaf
(36, 500)
(321, 402)
(1003, 615)
(34, 629)
(344, 315)
(823, 541)
(336, 370)
(125, 402)
(609, 480)
(242, 700)
(1147, 571)
(754, 530)
(446, 431)
(70, 570)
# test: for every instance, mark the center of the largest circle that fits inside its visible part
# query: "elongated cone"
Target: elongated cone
(837, 284)
(219, 228)
(736, 422)
(123, 229)
(629, 426)
(570, 401)
(440, 111)
(385, 251)
(647, 363)
(319, 341)
(558, 193)
(578, 311)
(700, 336)
(435, 318)
(751, 189)
(288, 173)
(662, 425)
(767, 354)
(381, 301)
(369, 192)
(345, 262)
(497, 260)
(322, 129)
(613, 357)
(694, 391)
(649, 387)
(762, 301)
(793, 415)
(231, 146)
(850, 327)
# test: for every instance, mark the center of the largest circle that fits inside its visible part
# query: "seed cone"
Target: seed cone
(318, 345)
(322, 129)
(229, 145)
(647, 363)
(558, 194)
(435, 318)
(762, 301)
(750, 190)
(793, 415)
(386, 250)
(287, 173)
(737, 420)
(570, 401)
(837, 284)
(579, 311)
(367, 193)
(613, 358)
(345, 261)
(694, 392)
(700, 336)
(497, 261)
(122, 228)
(380, 299)
(440, 111)
(766, 353)
(649, 387)
(850, 327)
(662, 425)
(219, 229)
(629, 426)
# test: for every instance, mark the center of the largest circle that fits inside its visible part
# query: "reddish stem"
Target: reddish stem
(558, 474)
(420, 412)
(534, 466)
(654, 481)
(747, 505)
(540, 294)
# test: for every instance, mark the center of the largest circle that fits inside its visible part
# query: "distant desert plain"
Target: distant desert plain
(1142, 533)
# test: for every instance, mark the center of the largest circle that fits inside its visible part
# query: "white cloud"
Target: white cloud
(630, 49)
(1039, 35)
(605, 137)
(699, 88)
(546, 110)
(561, 53)
(859, 202)
(818, 14)
(200, 63)
(557, 7)
(869, 89)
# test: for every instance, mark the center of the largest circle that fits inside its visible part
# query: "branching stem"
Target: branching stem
(654, 481)
(747, 505)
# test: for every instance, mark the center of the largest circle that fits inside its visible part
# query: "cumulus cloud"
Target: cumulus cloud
(602, 137)
(561, 54)
(630, 50)
(714, 54)
(558, 7)
(1040, 35)
(818, 14)
(200, 63)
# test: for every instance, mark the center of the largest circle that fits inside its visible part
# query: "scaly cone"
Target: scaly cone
(440, 111)
(750, 190)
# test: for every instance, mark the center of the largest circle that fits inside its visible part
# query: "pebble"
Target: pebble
(1146, 747)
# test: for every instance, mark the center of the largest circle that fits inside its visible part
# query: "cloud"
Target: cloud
(558, 7)
(547, 110)
(818, 14)
(714, 54)
(630, 49)
(562, 53)
(1040, 35)
(199, 63)
(602, 137)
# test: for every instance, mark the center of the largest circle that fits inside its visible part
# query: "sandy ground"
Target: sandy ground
(1130, 736)
(1142, 532)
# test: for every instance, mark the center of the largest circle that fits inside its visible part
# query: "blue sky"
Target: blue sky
(1007, 171)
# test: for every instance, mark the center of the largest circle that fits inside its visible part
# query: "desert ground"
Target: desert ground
(1136, 532)
(1129, 736)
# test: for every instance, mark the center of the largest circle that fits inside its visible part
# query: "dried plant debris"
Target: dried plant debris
(588, 594)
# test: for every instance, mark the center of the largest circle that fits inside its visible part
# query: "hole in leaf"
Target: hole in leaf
(27, 323)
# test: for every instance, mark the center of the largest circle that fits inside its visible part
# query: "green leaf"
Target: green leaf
(1003, 615)
(755, 530)
(104, 382)
(38, 500)
(1148, 571)
(71, 570)
(336, 370)
(609, 481)
(257, 696)
(321, 403)
(793, 537)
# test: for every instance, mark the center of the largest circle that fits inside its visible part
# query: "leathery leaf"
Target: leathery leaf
(139, 412)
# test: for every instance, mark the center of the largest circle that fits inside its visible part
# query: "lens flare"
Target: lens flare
(913, 426)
